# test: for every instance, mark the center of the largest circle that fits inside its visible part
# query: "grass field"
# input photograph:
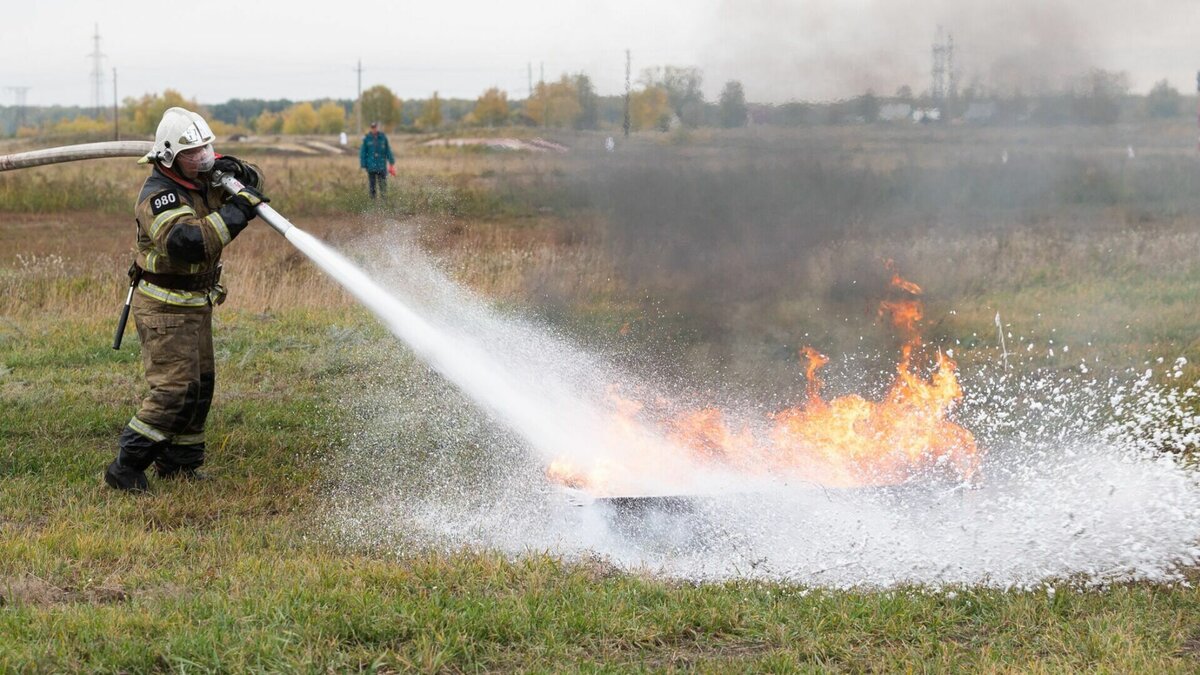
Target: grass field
(714, 256)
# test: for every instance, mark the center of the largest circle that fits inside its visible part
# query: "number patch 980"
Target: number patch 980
(164, 201)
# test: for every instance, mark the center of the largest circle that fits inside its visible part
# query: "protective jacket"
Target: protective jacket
(182, 228)
(375, 153)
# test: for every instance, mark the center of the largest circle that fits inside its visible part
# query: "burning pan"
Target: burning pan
(682, 521)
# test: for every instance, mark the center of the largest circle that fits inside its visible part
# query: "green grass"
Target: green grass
(235, 574)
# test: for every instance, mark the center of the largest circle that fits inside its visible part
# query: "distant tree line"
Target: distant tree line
(1097, 97)
(665, 97)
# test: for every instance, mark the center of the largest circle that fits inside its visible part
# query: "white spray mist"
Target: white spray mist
(1066, 491)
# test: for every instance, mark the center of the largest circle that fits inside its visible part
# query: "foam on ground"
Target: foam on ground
(1075, 482)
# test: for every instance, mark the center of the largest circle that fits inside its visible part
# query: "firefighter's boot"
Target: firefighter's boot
(128, 471)
(180, 462)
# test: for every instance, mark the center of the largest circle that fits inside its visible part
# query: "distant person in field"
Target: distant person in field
(375, 157)
(184, 222)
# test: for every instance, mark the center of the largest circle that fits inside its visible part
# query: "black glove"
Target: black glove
(246, 199)
(235, 166)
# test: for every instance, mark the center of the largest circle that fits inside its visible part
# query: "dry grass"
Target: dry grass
(733, 245)
(74, 267)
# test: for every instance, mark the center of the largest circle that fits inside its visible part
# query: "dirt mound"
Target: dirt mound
(518, 144)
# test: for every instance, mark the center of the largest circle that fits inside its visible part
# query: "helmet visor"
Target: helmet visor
(195, 161)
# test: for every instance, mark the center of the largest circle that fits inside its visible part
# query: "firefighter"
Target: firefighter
(376, 158)
(184, 222)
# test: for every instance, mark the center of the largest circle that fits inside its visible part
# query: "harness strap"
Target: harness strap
(184, 282)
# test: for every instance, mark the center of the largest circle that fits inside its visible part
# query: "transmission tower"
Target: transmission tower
(97, 73)
(19, 100)
(938, 89)
(951, 69)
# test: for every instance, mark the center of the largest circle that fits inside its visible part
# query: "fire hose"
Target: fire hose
(72, 153)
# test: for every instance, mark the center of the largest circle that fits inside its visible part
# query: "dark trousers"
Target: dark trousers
(177, 355)
(381, 177)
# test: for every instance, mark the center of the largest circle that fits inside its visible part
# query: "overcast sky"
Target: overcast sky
(779, 49)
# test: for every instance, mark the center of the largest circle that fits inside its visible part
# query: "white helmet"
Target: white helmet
(179, 130)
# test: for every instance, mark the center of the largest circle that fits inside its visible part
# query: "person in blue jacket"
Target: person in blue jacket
(375, 156)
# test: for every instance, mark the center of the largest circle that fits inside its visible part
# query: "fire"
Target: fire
(565, 474)
(845, 442)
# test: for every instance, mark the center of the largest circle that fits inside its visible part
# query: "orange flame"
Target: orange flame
(848, 441)
(816, 361)
(905, 285)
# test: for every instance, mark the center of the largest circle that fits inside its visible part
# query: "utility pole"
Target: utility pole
(360, 101)
(529, 66)
(19, 99)
(627, 65)
(116, 110)
(97, 73)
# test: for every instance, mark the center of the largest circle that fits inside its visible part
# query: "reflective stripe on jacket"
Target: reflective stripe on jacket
(182, 229)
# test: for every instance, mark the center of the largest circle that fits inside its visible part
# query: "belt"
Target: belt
(183, 282)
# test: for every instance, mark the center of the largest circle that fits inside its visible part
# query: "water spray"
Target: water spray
(1003, 346)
